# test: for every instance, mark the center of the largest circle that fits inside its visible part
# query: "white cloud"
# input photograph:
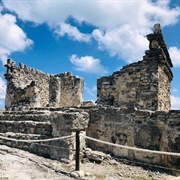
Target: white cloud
(175, 56)
(72, 32)
(88, 64)
(175, 102)
(122, 42)
(110, 17)
(12, 37)
(174, 90)
(2, 88)
(105, 14)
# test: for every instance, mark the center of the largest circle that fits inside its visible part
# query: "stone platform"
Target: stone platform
(43, 123)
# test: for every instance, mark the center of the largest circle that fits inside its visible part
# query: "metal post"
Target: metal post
(77, 151)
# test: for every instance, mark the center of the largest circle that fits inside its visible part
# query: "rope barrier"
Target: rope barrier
(131, 148)
(97, 140)
(36, 140)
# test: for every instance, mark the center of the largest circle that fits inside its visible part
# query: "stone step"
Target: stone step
(56, 149)
(21, 136)
(21, 117)
(24, 136)
(29, 127)
(27, 112)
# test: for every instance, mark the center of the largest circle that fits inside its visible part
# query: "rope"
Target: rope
(37, 140)
(132, 148)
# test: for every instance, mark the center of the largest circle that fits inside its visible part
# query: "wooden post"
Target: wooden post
(77, 151)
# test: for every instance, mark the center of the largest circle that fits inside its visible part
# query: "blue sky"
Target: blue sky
(90, 38)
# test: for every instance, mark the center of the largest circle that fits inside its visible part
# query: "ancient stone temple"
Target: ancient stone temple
(145, 84)
(133, 109)
(28, 87)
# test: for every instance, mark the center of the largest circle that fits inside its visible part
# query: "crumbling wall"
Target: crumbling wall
(71, 90)
(158, 52)
(144, 84)
(154, 130)
(135, 85)
(164, 87)
(66, 90)
(32, 88)
(26, 86)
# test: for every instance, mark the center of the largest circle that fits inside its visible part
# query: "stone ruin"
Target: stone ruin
(133, 109)
(145, 84)
(28, 87)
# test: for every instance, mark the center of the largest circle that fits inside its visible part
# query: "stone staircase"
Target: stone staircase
(33, 124)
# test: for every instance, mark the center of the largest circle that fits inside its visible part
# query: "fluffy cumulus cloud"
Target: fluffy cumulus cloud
(12, 37)
(121, 25)
(105, 14)
(175, 102)
(115, 41)
(175, 56)
(72, 32)
(88, 64)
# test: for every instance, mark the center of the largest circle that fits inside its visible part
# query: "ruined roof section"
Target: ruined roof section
(157, 46)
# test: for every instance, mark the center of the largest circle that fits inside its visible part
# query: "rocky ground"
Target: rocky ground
(16, 164)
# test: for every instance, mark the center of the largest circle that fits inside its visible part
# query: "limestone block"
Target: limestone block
(88, 104)
(69, 121)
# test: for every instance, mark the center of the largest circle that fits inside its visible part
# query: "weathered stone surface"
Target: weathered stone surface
(69, 120)
(77, 174)
(44, 124)
(134, 110)
(158, 130)
(54, 91)
(71, 90)
(95, 156)
(144, 84)
(27, 87)
(88, 104)
(29, 127)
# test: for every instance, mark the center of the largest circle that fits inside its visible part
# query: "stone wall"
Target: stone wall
(71, 90)
(32, 88)
(67, 122)
(155, 130)
(44, 123)
(145, 84)
(128, 114)
(164, 87)
(134, 86)
(26, 86)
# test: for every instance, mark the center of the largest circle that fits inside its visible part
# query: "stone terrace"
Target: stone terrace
(133, 109)
(43, 123)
